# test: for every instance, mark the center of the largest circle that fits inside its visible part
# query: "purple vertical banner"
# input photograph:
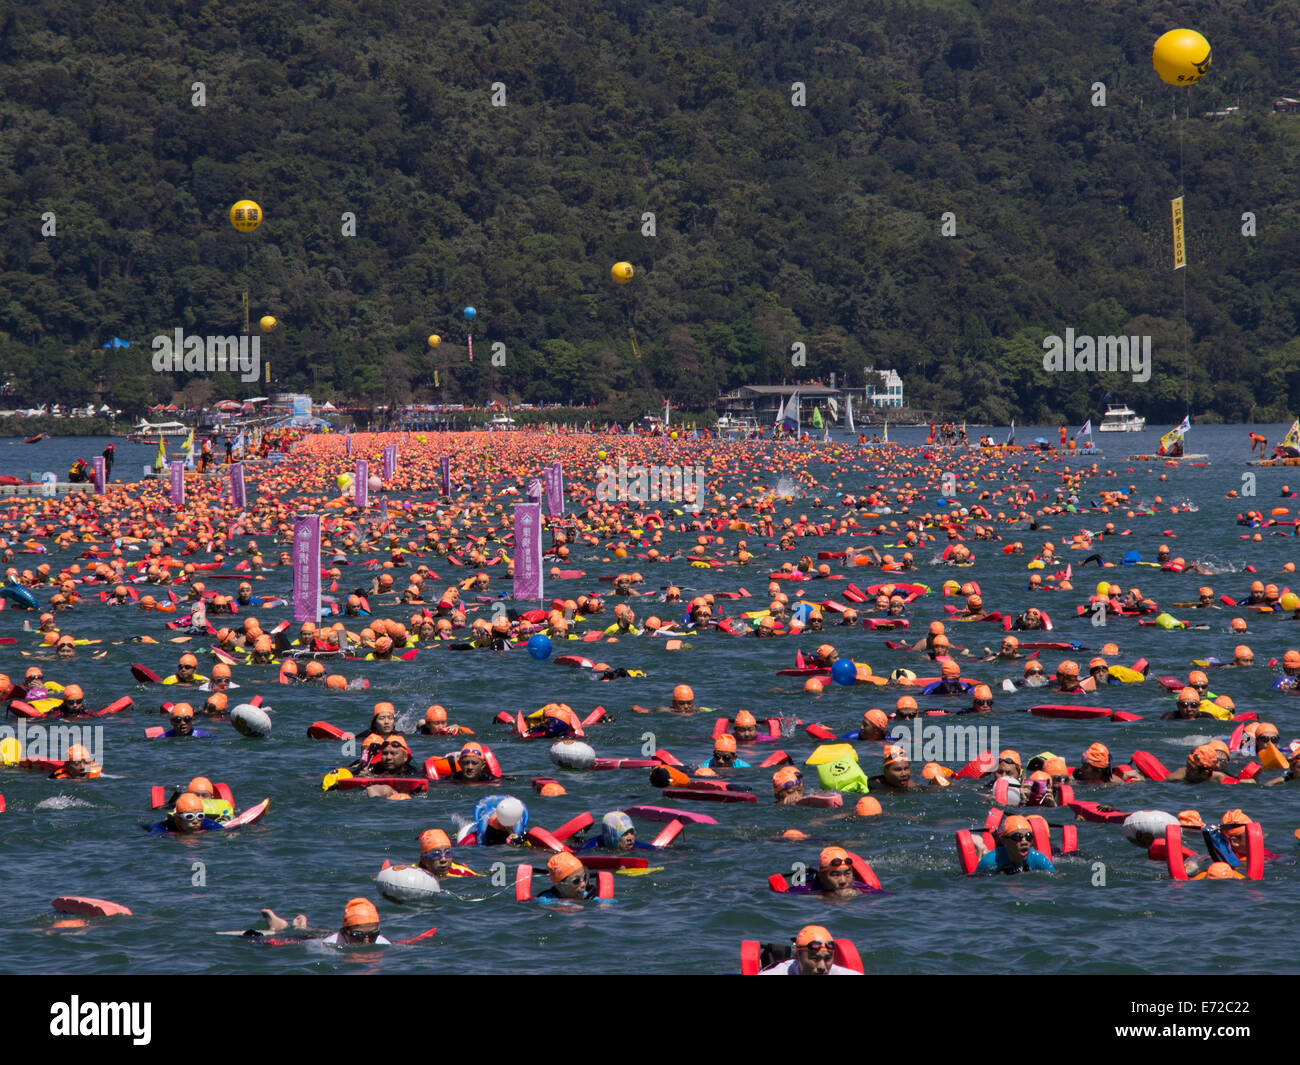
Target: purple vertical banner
(99, 474)
(306, 567)
(528, 551)
(534, 491)
(390, 461)
(555, 490)
(238, 496)
(445, 464)
(347, 443)
(178, 483)
(361, 484)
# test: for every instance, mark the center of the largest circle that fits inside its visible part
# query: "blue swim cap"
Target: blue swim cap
(613, 826)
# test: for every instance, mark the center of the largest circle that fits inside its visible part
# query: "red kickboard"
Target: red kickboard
(323, 730)
(1149, 766)
(539, 837)
(1079, 712)
(666, 815)
(612, 861)
(625, 763)
(124, 703)
(669, 833)
(573, 826)
(144, 674)
(967, 854)
(250, 816)
(403, 784)
(88, 907)
(701, 795)
(1091, 811)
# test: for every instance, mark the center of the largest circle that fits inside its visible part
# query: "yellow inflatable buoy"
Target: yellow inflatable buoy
(435, 340)
(1035, 564)
(832, 752)
(333, 778)
(268, 323)
(1181, 57)
(10, 751)
(246, 216)
(621, 273)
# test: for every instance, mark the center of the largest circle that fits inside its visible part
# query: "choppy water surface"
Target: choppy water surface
(316, 850)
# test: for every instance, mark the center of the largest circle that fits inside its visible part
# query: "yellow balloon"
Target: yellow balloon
(1181, 57)
(674, 434)
(621, 273)
(1290, 601)
(344, 481)
(246, 216)
(600, 455)
(268, 323)
(421, 438)
(435, 340)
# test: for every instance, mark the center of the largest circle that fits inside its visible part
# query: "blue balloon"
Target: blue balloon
(470, 312)
(844, 672)
(539, 646)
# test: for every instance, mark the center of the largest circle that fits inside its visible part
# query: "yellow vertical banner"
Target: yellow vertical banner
(1180, 248)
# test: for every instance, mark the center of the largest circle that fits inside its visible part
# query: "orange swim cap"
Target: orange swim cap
(433, 839)
(785, 777)
(73, 692)
(868, 806)
(201, 786)
(1203, 756)
(877, 718)
(336, 682)
(950, 668)
(812, 933)
(217, 700)
(1190, 819)
(182, 710)
(189, 803)
(1015, 823)
(189, 660)
(905, 702)
(744, 719)
(894, 753)
(358, 912)
(683, 694)
(725, 742)
(435, 715)
(1068, 668)
(1110, 649)
(562, 865)
(1234, 822)
(829, 854)
(1097, 755)
(1221, 871)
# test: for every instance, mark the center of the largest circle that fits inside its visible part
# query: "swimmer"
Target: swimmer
(813, 952)
(787, 786)
(186, 672)
(896, 772)
(436, 856)
(186, 817)
(360, 926)
(77, 766)
(1015, 852)
(1202, 766)
(724, 754)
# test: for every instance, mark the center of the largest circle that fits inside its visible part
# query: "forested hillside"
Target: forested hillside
(774, 223)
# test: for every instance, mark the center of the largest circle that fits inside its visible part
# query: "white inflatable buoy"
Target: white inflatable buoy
(573, 754)
(250, 720)
(1146, 826)
(408, 883)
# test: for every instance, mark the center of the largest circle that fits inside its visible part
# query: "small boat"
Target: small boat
(148, 432)
(37, 438)
(502, 421)
(1120, 419)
